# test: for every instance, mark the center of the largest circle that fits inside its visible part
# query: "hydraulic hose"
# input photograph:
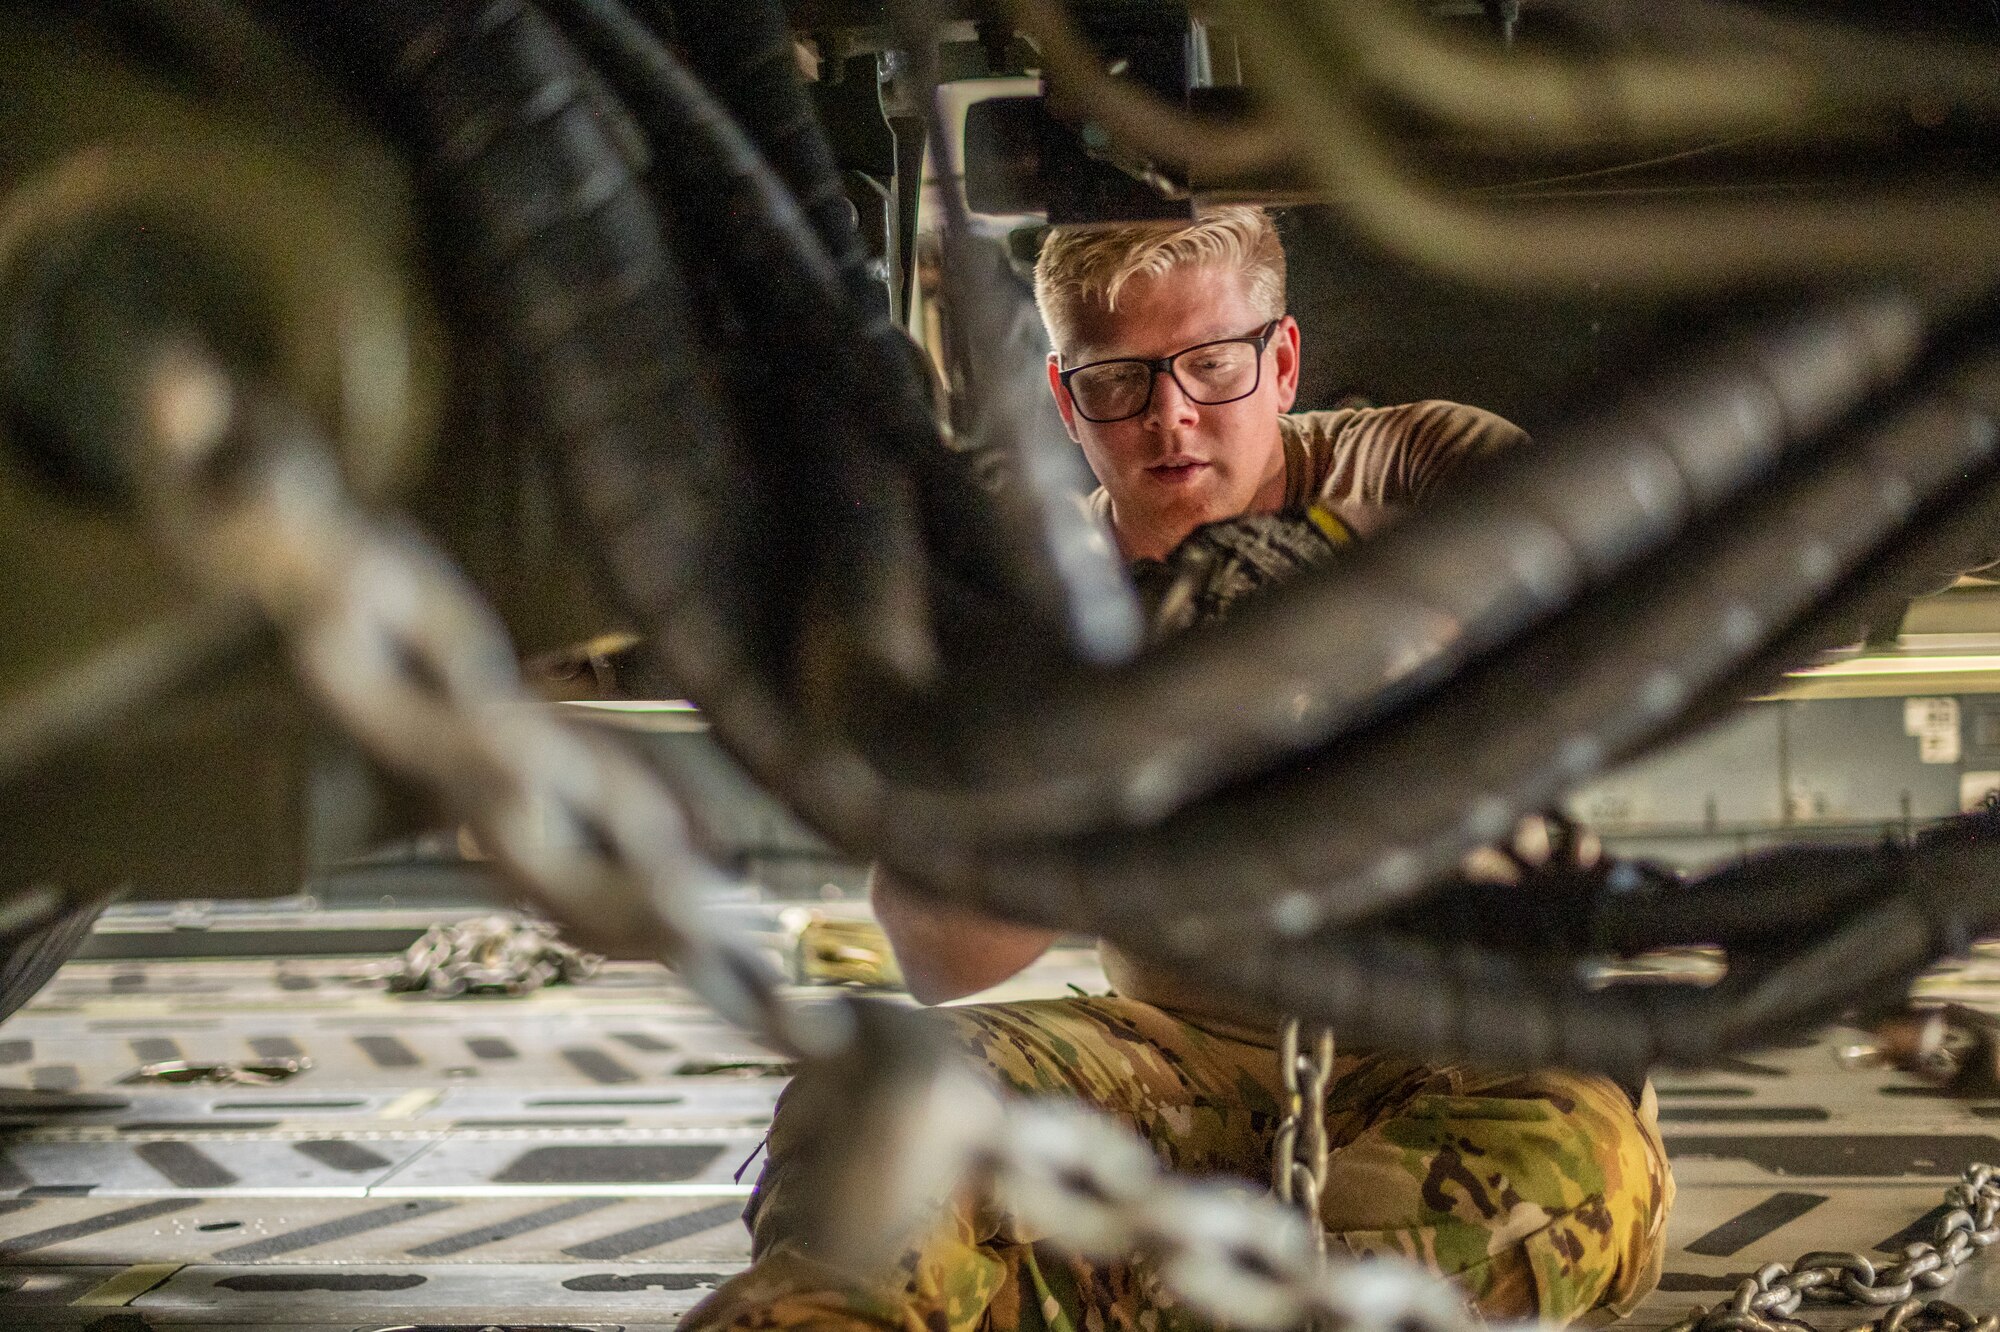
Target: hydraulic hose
(1339, 835)
(1771, 896)
(1058, 567)
(743, 50)
(1003, 411)
(865, 604)
(546, 229)
(1535, 1006)
(1963, 539)
(1625, 907)
(1939, 226)
(1515, 540)
(1792, 75)
(852, 367)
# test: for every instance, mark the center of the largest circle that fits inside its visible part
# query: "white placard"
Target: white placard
(1934, 722)
(1974, 787)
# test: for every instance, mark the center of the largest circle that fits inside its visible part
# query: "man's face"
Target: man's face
(1179, 464)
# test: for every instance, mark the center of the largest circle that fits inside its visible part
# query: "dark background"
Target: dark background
(1373, 327)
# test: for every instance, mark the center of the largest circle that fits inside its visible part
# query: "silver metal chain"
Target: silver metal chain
(1299, 1156)
(489, 955)
(401, 649)
(262, 1073)
(1766, 1301)
(1247, 1260)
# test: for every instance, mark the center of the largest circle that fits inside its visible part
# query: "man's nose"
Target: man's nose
(1169, 403)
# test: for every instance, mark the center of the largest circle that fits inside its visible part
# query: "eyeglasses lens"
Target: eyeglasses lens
(1218, 372)
(1108, 392)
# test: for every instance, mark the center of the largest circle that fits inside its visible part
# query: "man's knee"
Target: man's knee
(833, 1125)
(1543, 1194)
(788, 1292)
(1601, 1174)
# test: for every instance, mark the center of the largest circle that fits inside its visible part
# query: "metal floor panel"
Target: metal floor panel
(567, 1160)
(601, 1295)
(387, 1230)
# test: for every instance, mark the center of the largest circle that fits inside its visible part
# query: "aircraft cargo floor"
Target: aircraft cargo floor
(568, 1160)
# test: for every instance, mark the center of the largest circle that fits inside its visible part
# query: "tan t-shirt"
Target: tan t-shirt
(1374, 458)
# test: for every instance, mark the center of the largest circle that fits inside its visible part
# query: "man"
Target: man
(1540, 1194)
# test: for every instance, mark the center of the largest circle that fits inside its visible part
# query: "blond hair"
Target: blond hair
(1090, 265)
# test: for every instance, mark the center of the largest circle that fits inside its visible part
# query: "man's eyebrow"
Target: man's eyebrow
(1086, 354)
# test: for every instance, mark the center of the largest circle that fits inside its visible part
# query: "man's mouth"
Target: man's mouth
(1177, 470)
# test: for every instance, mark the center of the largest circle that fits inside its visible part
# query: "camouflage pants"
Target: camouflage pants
(1541, 1194)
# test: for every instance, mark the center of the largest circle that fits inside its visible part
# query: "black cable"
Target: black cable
(1056, 566)
(1882, 586)
(554, 246)
(855, 536)
(1391, 808)
(1450, 1001)
(1004, 411)
(1534, 1003)
(743, 50)
(852, 368)
(1515, 540)
(1770, 896)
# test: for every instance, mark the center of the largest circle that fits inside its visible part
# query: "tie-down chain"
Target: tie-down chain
(1767, 1301)
(489, 955)
(1299, 1157)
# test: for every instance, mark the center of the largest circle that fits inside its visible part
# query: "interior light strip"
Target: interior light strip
(1890, 666)
(633, 704)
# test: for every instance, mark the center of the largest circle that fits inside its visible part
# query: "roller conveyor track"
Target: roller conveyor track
(566, 1160)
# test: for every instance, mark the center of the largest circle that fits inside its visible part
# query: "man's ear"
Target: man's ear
(1285, 345)
(1066, 405)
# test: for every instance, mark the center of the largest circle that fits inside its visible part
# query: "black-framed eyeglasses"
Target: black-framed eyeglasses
(1208, 373)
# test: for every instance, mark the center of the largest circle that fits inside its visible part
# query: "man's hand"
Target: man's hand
(946, 952)
(1223, 562)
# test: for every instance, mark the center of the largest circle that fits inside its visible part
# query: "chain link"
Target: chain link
(400, 647)
(263, 1073)
(1299, 1155)
(1249, 1261)
(1947, 1045)
(1767, 1301)
(489, 955)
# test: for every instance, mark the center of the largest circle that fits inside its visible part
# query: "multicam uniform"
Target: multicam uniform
(1540, 1193)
